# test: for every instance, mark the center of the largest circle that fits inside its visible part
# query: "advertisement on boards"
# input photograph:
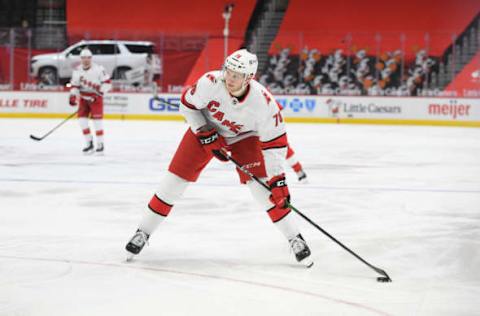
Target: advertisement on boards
(334, 109)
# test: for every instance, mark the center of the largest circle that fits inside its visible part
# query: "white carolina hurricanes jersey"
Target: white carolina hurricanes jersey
(208, 102)
(93, 80)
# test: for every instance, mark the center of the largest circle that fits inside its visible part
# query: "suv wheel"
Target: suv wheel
(119, 73)
(48, 76)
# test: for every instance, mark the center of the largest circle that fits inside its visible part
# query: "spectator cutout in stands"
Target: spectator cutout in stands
(310, 72)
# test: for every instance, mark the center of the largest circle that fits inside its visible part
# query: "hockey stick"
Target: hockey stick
(385, 277)
(53, 129)
(157, 98)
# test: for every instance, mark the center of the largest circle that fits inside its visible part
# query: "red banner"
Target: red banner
(467, 82)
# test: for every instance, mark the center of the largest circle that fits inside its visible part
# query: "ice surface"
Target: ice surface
(406, 199)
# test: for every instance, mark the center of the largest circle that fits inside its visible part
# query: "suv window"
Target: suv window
(103, 49)
(97, 49)
(140, 49)
(76, 51)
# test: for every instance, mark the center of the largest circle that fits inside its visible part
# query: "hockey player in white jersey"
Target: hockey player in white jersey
(228, 111)
(293, 162)
(296, 165)
(88, 84)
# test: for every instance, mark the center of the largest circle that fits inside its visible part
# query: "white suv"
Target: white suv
(118, 57)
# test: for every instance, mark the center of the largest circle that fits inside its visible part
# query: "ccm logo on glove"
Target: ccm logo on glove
(278, 187)
(213, 142)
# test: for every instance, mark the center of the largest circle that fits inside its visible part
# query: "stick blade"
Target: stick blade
(385, 278)
(35, 138)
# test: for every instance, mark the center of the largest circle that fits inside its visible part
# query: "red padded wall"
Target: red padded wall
(325, 23)
(20, 63)
(211, 58)
(150, 16)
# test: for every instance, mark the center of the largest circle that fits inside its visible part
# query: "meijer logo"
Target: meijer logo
(451, 109)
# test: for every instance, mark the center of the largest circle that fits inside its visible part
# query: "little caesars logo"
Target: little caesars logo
(337, 107)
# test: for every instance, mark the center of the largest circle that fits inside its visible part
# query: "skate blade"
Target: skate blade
(303, 179)
(99, 153)
(88, 153)
(129, 257)
(307, 262)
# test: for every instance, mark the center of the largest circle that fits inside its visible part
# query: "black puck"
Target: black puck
(384, 279)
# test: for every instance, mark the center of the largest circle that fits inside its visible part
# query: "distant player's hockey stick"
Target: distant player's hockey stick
(162, 100)
(53, 129)
(384, 278)
(159, 99)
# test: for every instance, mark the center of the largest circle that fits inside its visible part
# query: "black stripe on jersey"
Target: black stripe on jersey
(161, 201)
(278, 147)
(243, 97)
(151, 209)
(273, 139)
(171, 205)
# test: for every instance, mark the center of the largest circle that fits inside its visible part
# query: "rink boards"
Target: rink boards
(307, 109)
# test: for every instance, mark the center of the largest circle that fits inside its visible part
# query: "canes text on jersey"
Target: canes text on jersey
(219, 116)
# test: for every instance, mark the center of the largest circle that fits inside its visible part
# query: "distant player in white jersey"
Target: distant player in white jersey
(293, 162)
(228, 111)
(88, 84)
(296, 165)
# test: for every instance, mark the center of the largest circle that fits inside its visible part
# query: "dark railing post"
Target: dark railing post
(12, 58)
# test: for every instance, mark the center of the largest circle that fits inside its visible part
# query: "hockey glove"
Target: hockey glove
(212, 141)
(278, 187)
(73, 100)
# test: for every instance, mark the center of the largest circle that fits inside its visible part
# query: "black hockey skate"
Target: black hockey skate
(100, 149)
(136, 244)
(302, 176)
(88, 149)
(301, 250)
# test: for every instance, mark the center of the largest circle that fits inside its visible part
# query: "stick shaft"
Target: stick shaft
(378, 270)
(56, 127)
